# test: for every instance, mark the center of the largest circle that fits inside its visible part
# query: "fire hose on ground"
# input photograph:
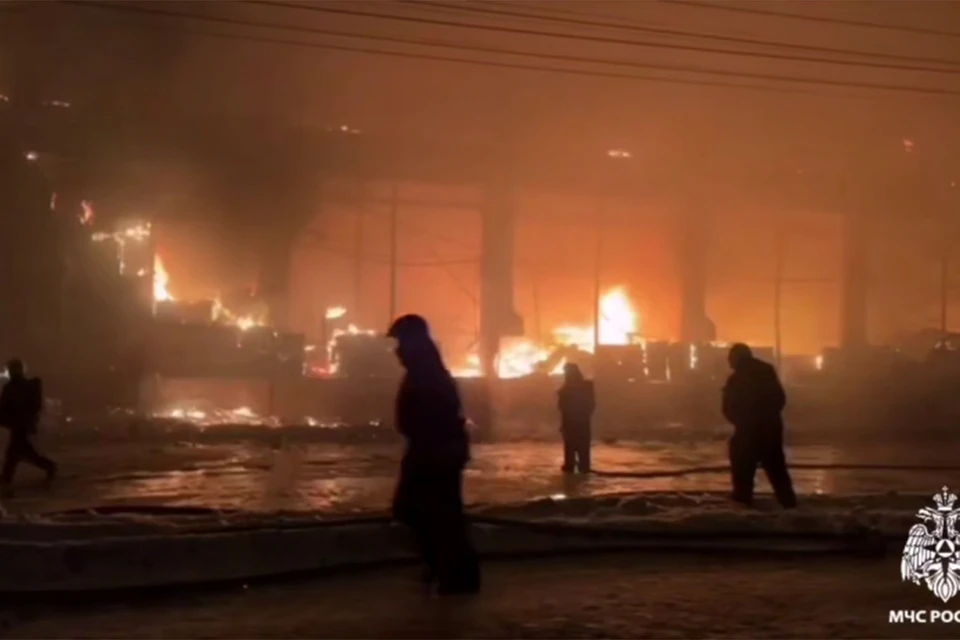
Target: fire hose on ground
(346, 543)
(689, 471)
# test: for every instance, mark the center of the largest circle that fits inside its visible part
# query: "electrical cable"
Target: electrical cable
(604, 40)
(722, 6)
(739, 40)
(439, 58)
(658, 67)
(539, 6)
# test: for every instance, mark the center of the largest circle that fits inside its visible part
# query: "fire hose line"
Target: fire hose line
(689, 471)
(749, 546)
(861, 543)
(384, 518)
(857, 540)
(555, 528)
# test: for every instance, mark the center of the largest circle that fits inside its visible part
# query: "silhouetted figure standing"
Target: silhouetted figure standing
(753, 400)
(21, 402)
(429, 494)
(576, 403)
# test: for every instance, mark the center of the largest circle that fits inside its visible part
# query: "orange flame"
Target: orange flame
(619, 325)
(161, 280)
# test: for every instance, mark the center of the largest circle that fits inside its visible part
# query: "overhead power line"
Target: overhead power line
(501, 51)
(581, 22)
(723, 6)
(475, 62)
(660, 67)
(552, 8)
(433, 57)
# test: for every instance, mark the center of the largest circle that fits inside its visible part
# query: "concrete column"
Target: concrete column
(274, 278)
(498, 317)
(854, 281)
(280, 221)
(693, 235)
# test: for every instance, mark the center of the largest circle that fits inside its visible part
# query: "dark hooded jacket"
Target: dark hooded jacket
(21, 402)
(576, 401)
(753, 398)
(428, 409)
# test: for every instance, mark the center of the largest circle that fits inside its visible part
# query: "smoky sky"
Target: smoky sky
(191, 118)
(158, 68)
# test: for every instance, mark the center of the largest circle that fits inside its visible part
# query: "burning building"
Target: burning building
(194, 338)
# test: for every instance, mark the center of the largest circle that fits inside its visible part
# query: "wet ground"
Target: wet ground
(635, 595)
(622, 596)
(258, 469)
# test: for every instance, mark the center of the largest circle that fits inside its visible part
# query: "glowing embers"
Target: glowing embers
(518, 357)
(208, 416)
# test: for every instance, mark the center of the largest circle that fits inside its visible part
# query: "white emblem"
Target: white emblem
(933, 555)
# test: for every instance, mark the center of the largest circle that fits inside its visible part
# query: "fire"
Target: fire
(141, 232)
(519, 358)
(161, 280)
(86, 208)
(618, 320)
(350, 330)
(335, 313)
(246, 323)
(619, 325)
(161, 293)
(209, 416)
(135, 233)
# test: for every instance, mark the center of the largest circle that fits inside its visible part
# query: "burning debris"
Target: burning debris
(214, 417)
(347, 349)
(244, 322)
(127, 240)
(217, 311)
(205, 417)
(140, 234)
(619, 325)
(351, 349)
(346, 344)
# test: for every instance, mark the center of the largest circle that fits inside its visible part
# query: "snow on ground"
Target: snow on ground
(712, 514)
(656, 512)
(78, 551)
(268, 470)
(181, 490)
(622, 596)
(141, 507)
